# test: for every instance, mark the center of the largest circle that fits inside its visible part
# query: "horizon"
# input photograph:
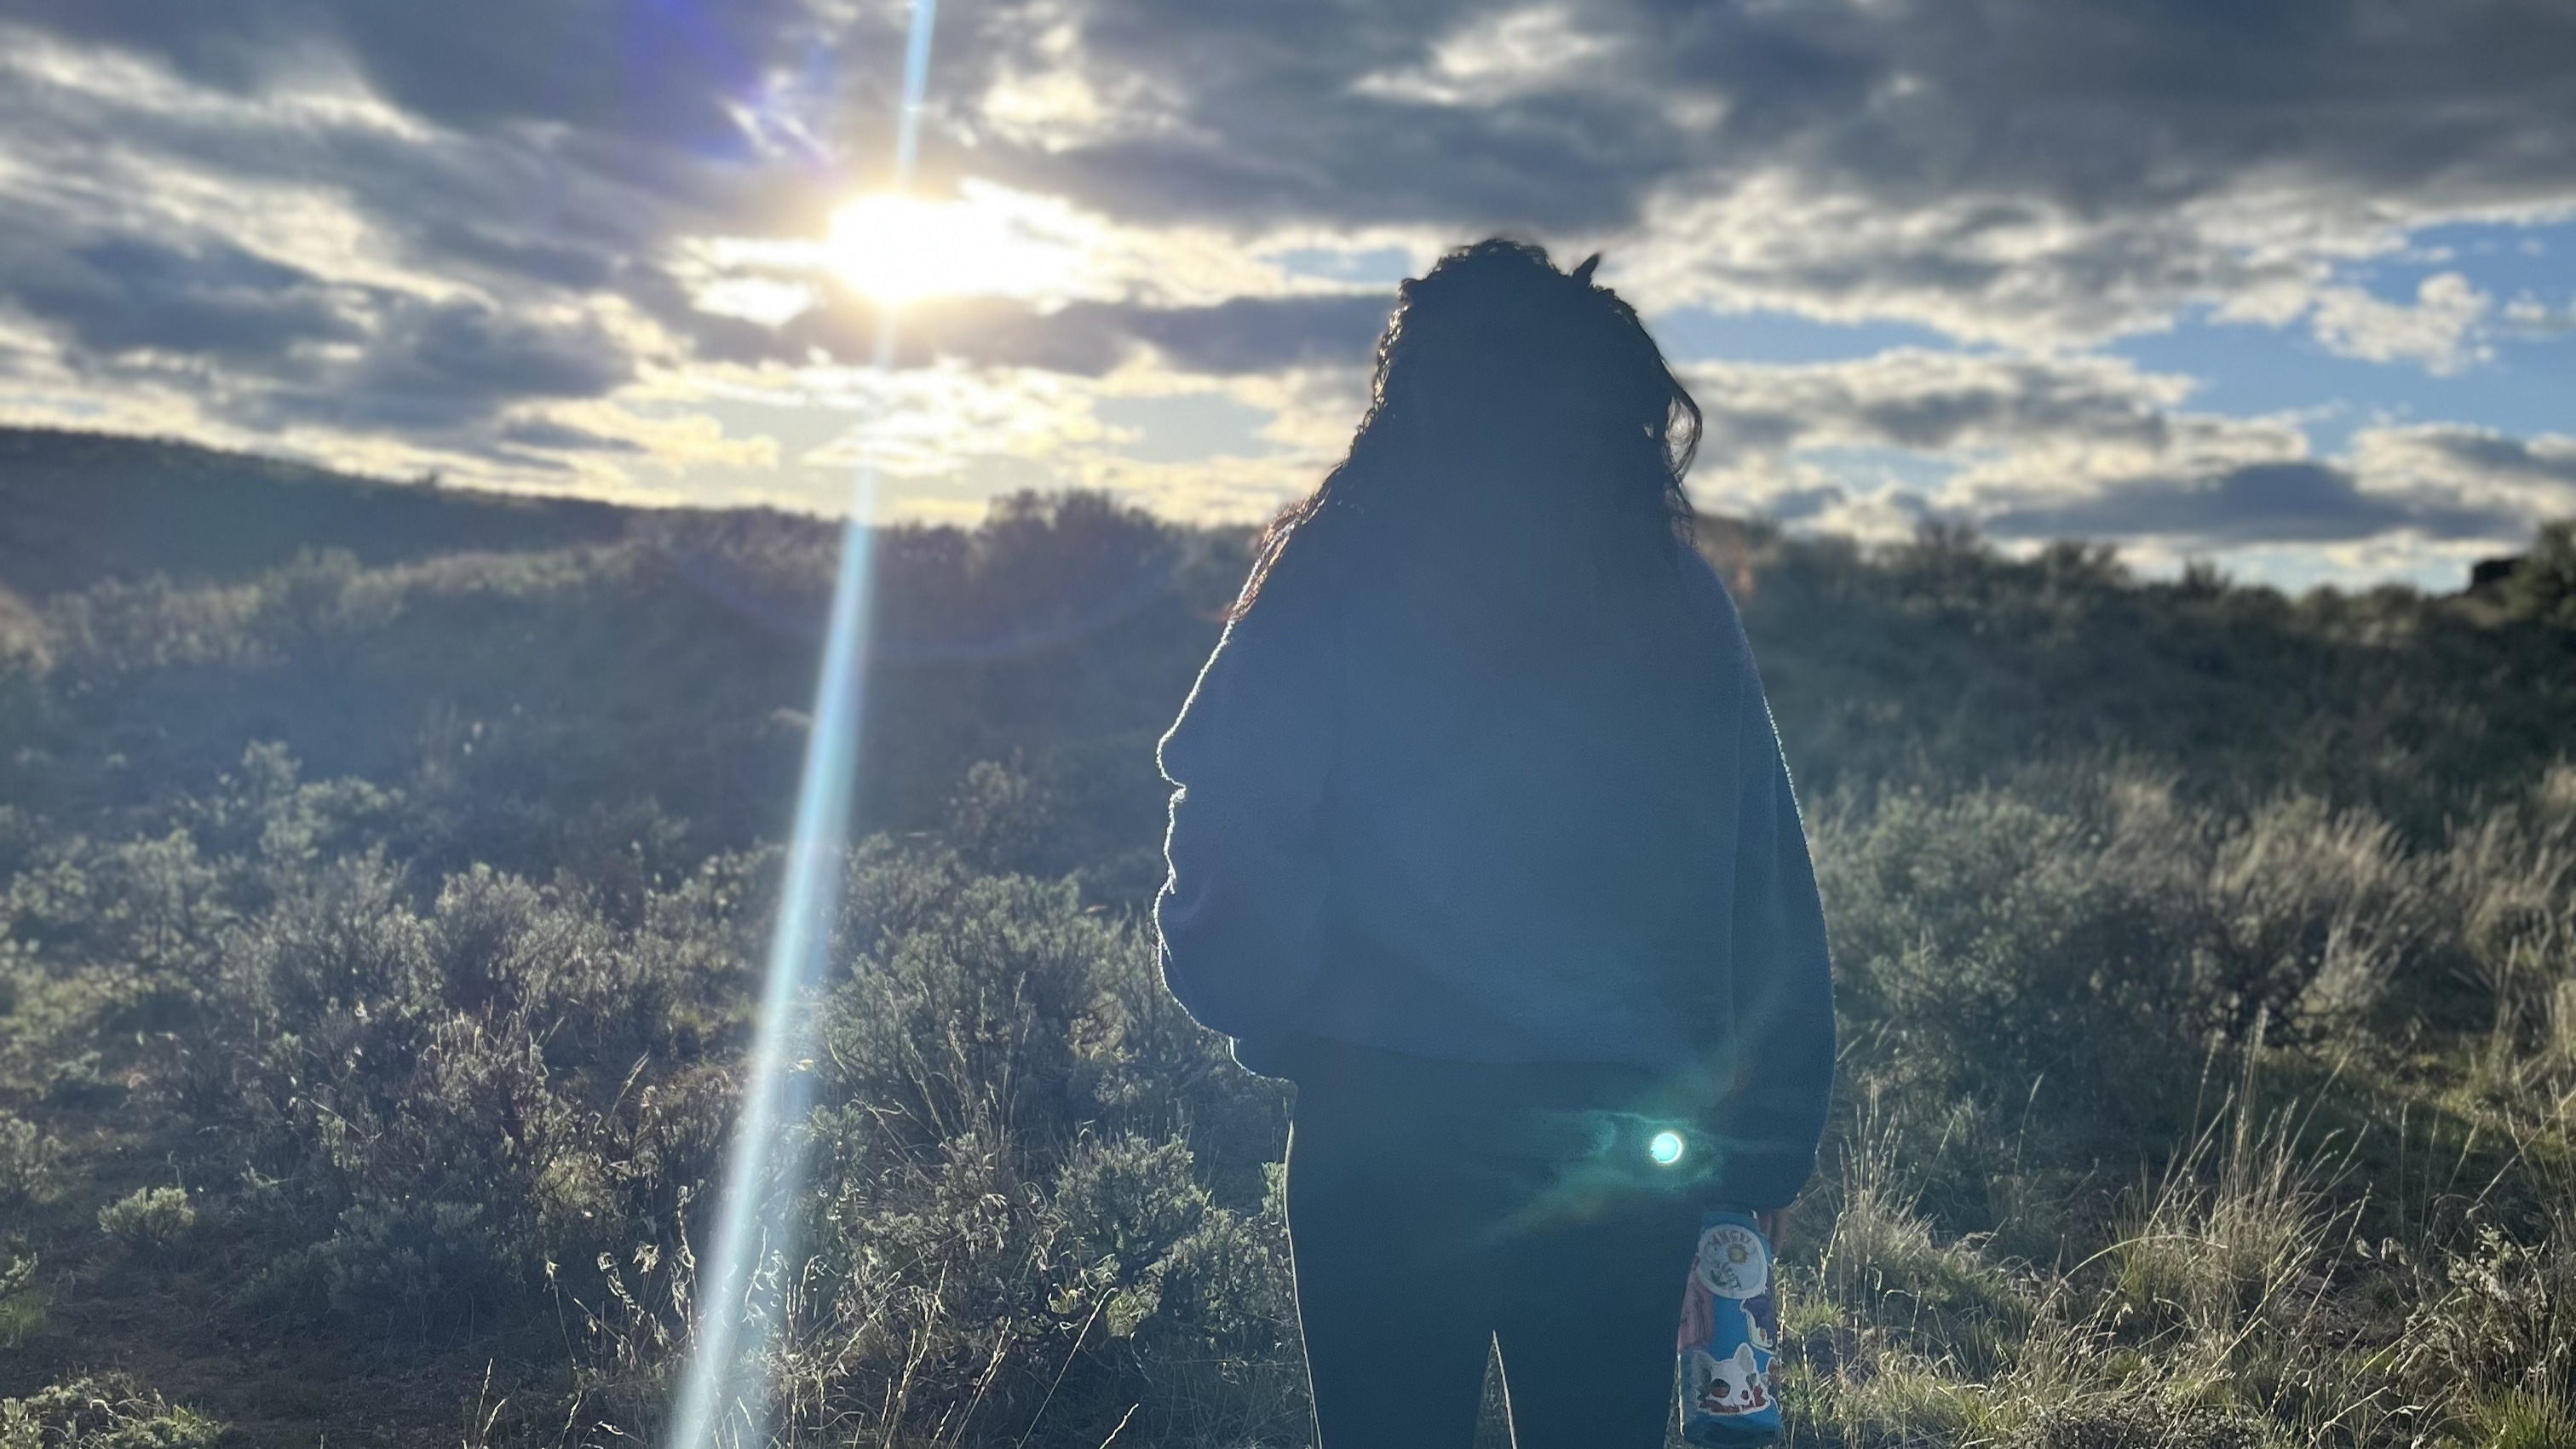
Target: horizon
(474, 493)
(2304, 314)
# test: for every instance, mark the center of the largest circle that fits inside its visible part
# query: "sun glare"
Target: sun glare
(898, 249)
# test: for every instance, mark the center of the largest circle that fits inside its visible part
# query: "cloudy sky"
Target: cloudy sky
(2285, 285)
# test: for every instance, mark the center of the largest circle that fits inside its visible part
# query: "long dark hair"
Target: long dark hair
(1518, 413)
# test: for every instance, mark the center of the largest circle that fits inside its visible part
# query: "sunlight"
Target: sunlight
(723, 1400)
(898, 249)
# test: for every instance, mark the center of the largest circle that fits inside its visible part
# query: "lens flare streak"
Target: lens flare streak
(722, 1398)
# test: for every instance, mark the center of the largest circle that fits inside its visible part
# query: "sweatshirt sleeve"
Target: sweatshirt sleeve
(1774, 1111)
(1248, 762)
(1774, 1095)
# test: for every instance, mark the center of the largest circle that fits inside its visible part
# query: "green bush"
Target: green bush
(2503, 1328)
(110, 1411)
(1002, 1092)
(453, 1098)
(1988, 941)
(2543, 585)
(150, 1221)
(27, 1163)
(22, 1303)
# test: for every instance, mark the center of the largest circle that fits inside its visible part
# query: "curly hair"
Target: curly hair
(1505, 388)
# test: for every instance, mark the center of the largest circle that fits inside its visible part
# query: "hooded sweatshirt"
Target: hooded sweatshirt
(1585, 850)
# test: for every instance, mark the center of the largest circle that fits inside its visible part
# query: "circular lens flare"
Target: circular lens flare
(1665, 1148)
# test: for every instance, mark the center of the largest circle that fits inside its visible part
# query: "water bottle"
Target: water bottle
(1729, 1329)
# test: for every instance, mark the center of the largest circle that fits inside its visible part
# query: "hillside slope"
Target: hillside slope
(81, 508)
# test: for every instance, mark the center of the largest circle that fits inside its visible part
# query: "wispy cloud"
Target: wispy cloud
(2439, 329)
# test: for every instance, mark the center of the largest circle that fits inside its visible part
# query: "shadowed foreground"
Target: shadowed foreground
(379, 937)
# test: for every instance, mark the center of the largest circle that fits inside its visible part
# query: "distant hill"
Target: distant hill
(77, 508)
(618, 653)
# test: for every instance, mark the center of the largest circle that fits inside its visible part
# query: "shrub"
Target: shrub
(110, 1411)
(2543, 585)
(2502, 1332)
(1008, 1218)
(27, 1162)
(2095, 936)
(1987, 939)
(22, 1303)
(456, 1098)
(150, 1221)
(2307, 913)
(2506, 880)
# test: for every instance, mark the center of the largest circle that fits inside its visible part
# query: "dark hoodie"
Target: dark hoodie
(1587, 852)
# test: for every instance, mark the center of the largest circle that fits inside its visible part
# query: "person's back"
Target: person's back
(1482, 835)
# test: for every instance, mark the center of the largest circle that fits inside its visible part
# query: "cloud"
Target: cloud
(2533, 478)
(440, 366)
(1932, 401)
(2009, 171)
(496, 245)
(665, 73)
(2257, 503)
(548, 435)
(1258, 334)
(2012, 171)
(265, 342)
(122, 297)
(2437, 330)
(305, 270)
(2030, 449)
(2530, 317)
(1239, 335)
(1498, 58)
(563, 237)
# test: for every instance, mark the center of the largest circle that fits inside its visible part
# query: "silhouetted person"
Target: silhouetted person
(1481, 834)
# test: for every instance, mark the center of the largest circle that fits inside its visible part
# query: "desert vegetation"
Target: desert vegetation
(379, 931)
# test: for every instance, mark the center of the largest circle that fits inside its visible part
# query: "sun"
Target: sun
(898, 249)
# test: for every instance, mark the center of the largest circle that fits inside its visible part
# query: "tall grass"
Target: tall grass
(2231, 1294)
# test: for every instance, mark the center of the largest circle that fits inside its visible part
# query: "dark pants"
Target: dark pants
(1436, 1206)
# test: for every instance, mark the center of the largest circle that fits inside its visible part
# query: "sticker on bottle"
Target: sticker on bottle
(1732, 1261)
(1729, 1330)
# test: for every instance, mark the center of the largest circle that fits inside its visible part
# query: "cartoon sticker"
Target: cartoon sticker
(1728, 1386)
(1732, 1262)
